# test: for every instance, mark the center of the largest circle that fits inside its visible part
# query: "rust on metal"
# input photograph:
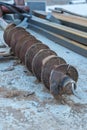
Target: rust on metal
(20, 42)
(37, 63)
(18, 34)
(32, 40)
(63, 80)
(22, 50)
(68, 70)
(31, 52)
(10, 34)
(50, 63)
(58, 76)
(7, 30)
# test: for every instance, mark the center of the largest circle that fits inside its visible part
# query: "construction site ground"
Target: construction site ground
(26, 104)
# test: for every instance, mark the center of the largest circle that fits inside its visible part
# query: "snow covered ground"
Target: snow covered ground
(77, 1)
(26, 104)
(75, 8)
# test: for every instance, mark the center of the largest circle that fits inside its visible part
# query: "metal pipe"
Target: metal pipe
(5, 10)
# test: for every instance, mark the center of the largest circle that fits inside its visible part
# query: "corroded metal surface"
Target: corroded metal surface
(37, 63)
(62, 80)
(20, 42)
(11, 33)
(68, 70)
(31, 52)
(6, 32)
(32, 40)
(59, 77)
(16, 37)
(50, 64)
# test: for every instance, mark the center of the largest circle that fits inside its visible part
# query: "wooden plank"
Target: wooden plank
(62, 10)
(76, 22)
(72, 20)
(62, 30)
(70, 44)
(40, 14)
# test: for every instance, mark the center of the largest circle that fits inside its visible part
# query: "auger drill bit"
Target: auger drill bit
(53, 71)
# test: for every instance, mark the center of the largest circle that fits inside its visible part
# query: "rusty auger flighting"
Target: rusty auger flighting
(53, 71)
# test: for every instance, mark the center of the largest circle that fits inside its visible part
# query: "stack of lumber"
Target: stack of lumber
(71, 33)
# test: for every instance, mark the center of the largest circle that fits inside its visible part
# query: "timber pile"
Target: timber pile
(71, 33)
(76, 21)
